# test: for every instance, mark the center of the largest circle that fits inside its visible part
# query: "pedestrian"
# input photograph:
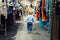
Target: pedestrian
(29, 20)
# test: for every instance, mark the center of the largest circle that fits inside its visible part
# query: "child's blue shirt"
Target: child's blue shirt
(30, 18)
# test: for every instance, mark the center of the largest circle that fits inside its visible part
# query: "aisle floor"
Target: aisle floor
(19, 32)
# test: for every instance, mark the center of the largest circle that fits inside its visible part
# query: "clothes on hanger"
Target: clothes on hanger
(10, 20)
(2, 20)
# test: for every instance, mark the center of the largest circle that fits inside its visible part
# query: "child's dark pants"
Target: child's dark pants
(29, 26)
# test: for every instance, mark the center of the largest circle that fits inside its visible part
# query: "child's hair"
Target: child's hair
(30, 11)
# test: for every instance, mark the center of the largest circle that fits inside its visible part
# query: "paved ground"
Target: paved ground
(19, 32)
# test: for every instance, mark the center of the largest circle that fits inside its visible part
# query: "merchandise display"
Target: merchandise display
(45, 12)
(3, 16)
(8, 14)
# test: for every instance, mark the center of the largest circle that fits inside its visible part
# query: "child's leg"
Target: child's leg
(27, 26)
(30, 26)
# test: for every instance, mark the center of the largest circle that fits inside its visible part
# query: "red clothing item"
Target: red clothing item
(37, 15)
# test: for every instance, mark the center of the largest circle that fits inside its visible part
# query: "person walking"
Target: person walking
(29, 20)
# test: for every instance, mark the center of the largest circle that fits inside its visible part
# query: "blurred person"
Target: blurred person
(29, 20)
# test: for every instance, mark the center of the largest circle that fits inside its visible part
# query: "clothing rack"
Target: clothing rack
(44, 17)
(3, 27)
(9, 18)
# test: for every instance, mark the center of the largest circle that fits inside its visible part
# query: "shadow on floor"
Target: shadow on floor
(12, 31)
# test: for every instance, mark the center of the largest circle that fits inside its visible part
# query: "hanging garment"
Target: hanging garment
(9, 9)
(10, 20)
(47, 7)
(13, 0)
(40, 18)
(37, 15)
(2, 20)
(47, 13)
(17, 17)
(44, 18)
(43, 10)
(44, 15)
(40, 14)
(45, 23)
(57, 9)
(20, 11)
(40, 22)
